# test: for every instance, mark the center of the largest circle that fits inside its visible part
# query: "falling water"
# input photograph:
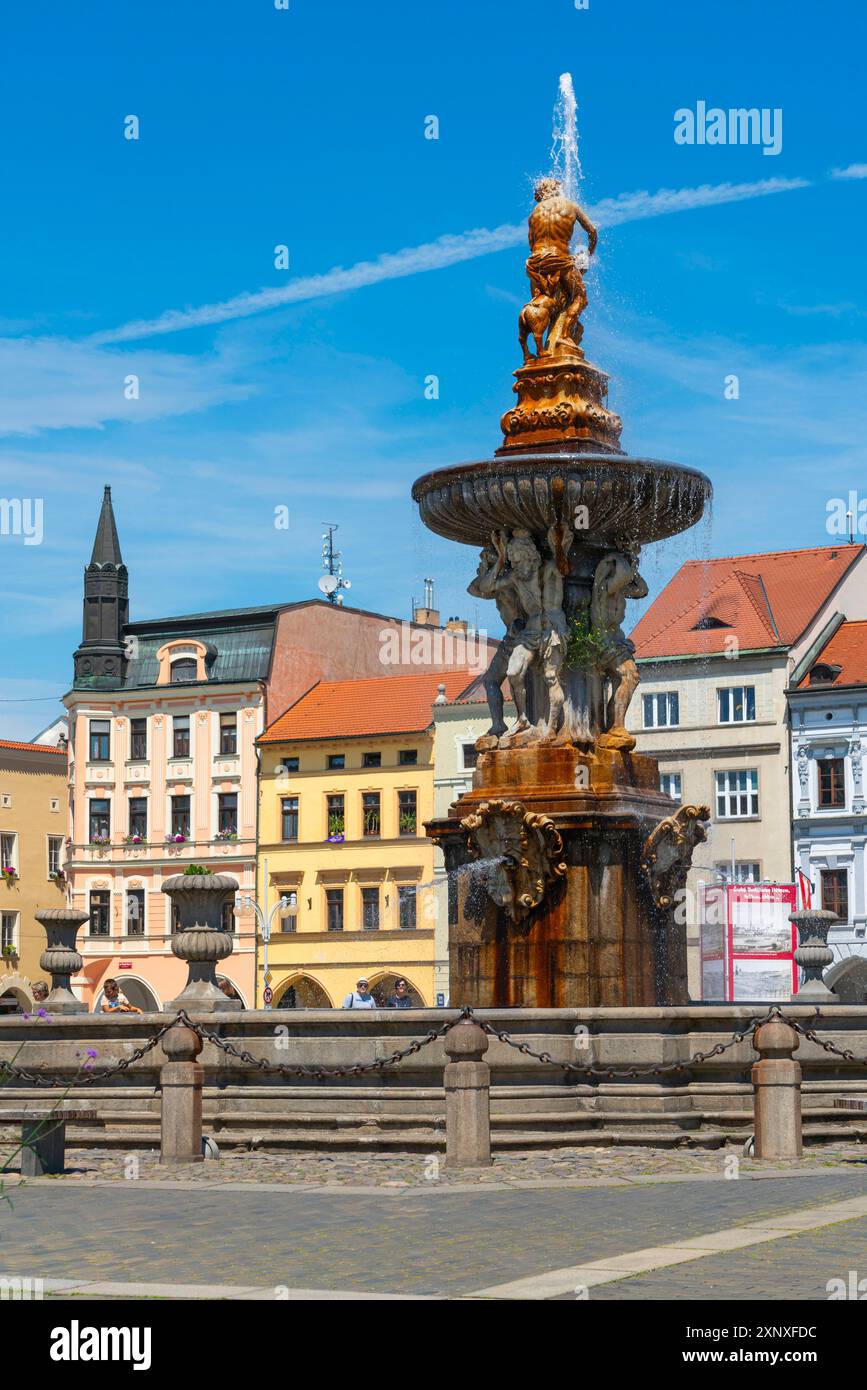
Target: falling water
(565, 164)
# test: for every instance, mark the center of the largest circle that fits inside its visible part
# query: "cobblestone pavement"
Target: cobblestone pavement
(418, 1170)
(427, 1239)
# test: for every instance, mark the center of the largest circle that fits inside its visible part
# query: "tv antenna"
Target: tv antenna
(332, 580)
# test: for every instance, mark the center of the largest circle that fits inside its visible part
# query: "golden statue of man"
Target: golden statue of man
(552, 268)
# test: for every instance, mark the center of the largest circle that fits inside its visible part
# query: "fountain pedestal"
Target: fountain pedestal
(597, 935)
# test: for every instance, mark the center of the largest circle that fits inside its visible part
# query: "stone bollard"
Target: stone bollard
(467, 1081)
(777, 1082)
(181, 1080)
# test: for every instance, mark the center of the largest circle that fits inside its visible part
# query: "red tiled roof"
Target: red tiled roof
(763, 600)
(32, 747)
(375, 705)
(848, 650)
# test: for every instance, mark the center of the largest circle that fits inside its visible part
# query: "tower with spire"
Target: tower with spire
(100, 659)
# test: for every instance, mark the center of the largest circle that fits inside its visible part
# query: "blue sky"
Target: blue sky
(305, 127)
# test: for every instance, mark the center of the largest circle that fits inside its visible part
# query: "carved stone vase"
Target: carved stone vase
(814, 955)
(200, 939)
(60, 959)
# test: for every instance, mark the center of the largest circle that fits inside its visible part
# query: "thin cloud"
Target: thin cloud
(435, 255)
(851, 171)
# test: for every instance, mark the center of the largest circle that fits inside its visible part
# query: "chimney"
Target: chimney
(427, 615)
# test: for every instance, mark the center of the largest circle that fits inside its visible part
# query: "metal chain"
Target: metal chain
(316, 1073)
(89, 1078)
(39, 1078)
(632, 1073)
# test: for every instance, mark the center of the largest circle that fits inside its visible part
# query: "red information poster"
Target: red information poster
(748, 942)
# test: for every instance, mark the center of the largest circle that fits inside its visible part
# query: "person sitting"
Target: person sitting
(114, 1002)
(40, 992)
(227, 987)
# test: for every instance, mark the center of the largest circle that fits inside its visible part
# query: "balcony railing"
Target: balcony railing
(119, 851)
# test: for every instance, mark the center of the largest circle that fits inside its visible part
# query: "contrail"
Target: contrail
(435, 255)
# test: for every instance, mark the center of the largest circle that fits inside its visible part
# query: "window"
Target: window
(406, 898)
(289, 764)
(138, 817)
(9, 931)
(745, 872)
(100, 740)
(407, 757)
(100, 910)
(289, 916)
(289, 818)
(336, 760)
(135, 912)
(334, 908)
(835, 892)
(9, 851)
(184, 670)
(227, 813)
(181, 736)
(138, 738)
(227, 916)
(832, 782)
(370, 810)
(370, 909)
(470, 754)
(737, 794)
(181, 816)
(737, 704)
(670, 783)
(336, 817)
(662, 710)
(407, 815)
(371, 760)
(228, 733)
(55, 854)
(100, 820)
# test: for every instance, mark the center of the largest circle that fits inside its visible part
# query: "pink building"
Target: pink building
(163, 717)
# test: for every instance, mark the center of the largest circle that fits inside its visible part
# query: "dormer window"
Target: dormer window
(824, 674)
(707, 622)
(183, 670)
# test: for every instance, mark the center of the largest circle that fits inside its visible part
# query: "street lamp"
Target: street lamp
(249, 904)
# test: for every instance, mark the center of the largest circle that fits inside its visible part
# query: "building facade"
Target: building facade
(716, 652)
(347, 784)
(33, 800)
(828, 707)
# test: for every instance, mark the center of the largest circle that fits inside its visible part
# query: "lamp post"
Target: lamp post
(248, 902)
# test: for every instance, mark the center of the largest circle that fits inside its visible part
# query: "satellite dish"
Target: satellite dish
(328, 583)
(347, 584)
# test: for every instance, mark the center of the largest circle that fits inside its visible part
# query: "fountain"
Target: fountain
(578, 906)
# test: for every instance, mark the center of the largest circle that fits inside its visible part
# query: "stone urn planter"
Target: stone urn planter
(200, 939)
(814, 955)
(60, 958)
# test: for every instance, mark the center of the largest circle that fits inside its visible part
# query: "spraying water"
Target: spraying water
(565, 164)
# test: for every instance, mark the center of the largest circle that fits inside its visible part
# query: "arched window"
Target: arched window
(183, 670)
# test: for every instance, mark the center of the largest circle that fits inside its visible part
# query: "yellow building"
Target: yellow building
(346, 785)
(33, 817)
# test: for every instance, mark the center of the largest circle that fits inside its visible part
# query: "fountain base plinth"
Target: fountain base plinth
(590, 932)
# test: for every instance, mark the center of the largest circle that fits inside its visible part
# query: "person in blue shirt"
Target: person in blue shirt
(361, 997)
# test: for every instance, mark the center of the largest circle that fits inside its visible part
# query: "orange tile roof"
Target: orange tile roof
(764, 600)
(374, 705)
(848, 650)
(32, 747)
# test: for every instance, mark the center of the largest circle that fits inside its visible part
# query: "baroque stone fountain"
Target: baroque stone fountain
(580, 856)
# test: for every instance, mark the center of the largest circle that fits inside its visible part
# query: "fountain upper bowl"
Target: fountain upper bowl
(629, 501)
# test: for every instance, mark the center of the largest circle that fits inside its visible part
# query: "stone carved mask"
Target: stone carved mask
(526, 849)
(668, 851)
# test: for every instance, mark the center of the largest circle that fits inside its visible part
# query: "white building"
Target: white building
(828, 710)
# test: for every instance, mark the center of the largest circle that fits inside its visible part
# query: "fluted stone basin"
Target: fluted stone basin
(200, 940)
(629, 501)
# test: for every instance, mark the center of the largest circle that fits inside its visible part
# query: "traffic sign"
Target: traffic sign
(268, 995)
